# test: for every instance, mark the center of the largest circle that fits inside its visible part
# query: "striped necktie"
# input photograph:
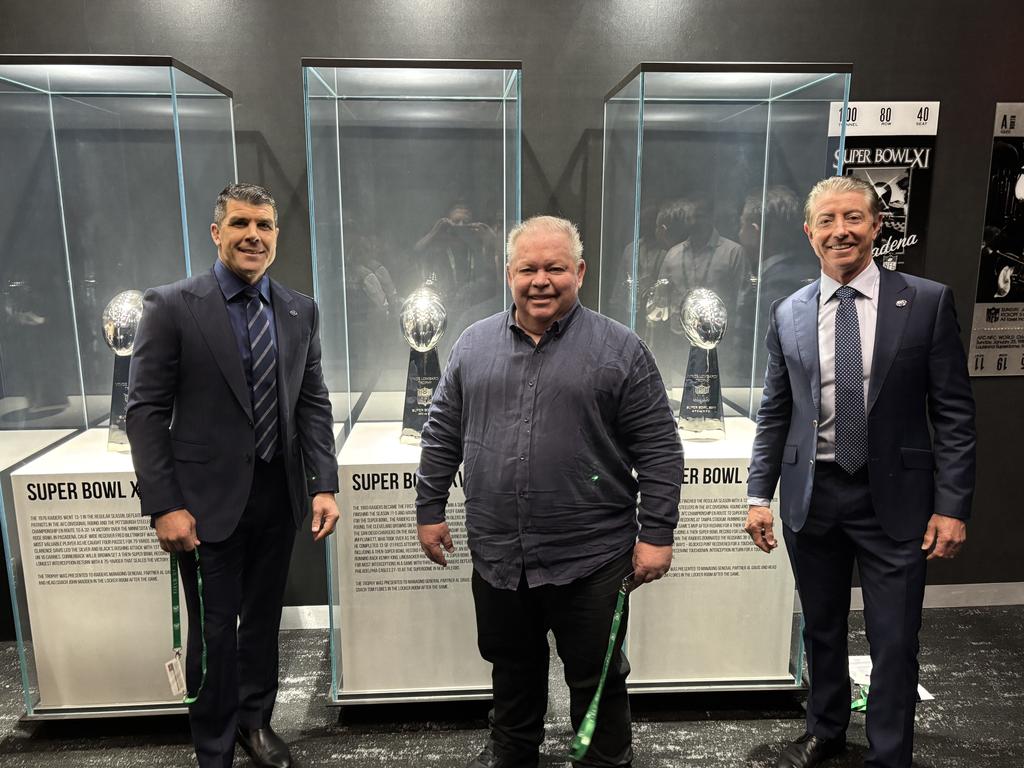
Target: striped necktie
(264, 375)
(851, 418)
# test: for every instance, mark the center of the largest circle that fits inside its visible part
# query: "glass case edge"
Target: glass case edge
(183, 206)
(12, 584)
(636, 199)
(67, 261)
(313, 61)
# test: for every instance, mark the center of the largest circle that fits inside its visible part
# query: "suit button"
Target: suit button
(811, 462)
(248, 458)
(814, 423)
(250, 422)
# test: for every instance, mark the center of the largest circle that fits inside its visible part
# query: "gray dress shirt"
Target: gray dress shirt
(549, 436)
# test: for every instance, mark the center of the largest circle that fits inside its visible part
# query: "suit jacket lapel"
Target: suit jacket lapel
(805, 328)
(890, 322)
(206, 303)
(288, 337)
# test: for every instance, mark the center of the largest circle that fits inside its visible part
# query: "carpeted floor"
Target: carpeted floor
(971, 662)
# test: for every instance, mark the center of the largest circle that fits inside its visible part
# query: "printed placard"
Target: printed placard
(997, 327)
(891, 145)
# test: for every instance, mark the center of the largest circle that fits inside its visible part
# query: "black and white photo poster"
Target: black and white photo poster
(891, 145)
(997, 330)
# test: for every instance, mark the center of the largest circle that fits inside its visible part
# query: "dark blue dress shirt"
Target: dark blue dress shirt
(231, 285)
(549, 435)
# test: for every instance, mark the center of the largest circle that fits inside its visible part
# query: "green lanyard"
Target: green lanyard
(585, 734)
(176, 619)
(860, 704)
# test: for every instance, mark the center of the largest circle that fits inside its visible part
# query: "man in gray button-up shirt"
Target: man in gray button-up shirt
(550, 408)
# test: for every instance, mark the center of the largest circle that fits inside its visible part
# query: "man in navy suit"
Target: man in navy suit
(231, 434)
(861, 363)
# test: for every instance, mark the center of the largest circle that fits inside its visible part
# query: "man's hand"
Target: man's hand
(325, 515)
(176, 531)
(759, 528)
(944, 537)
(435, 540)
(650, 562)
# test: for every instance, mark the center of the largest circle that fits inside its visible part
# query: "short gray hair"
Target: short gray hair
(545, 224)
(243, 192)
(841, 185)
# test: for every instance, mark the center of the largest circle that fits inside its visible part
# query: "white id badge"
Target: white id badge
(176, 676)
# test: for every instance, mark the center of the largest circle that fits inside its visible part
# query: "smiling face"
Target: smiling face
(543, 279)
(246, 239)
(841, 232)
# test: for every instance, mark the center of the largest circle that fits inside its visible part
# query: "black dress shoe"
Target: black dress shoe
(265, 747)
(808, 751)
(485, 759)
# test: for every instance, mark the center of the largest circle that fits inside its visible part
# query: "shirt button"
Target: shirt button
(522, 457)
(530, 382)
(526, 420)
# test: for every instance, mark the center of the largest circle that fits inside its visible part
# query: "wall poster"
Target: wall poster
(997, 330)
(891, 145)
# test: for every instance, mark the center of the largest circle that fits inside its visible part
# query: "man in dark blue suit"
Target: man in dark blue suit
(861, 363)
(231, 434)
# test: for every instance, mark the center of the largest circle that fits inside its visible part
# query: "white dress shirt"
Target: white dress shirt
(866, 301)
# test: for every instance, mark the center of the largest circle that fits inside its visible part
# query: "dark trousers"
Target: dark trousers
(841, 529)
(243, 585)
(512, 627)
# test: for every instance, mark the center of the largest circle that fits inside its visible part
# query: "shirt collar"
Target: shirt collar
(557, 328)
(231, 284)
(866, 284)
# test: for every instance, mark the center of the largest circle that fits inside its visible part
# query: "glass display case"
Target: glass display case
(414, 171)
(111, 167)
(706, 166)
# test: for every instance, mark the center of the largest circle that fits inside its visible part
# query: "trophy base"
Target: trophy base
(409, 437)
(117, 439)
(702, 430)
(424, 374)
(700, 412)
(117, 442)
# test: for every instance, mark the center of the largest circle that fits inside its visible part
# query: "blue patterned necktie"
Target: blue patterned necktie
(264, 375)
(851, 418)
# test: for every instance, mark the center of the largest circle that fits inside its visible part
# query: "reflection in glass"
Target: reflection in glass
(109, 169)
(413, 177)
(704, 169)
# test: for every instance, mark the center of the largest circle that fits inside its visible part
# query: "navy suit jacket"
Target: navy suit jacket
(189, 417)
(918, 378)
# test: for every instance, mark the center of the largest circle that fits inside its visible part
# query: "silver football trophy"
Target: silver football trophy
(704, 321)
(120, 324)
(423, 320)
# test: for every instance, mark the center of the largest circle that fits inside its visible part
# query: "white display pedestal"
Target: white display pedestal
(97, 584)
(403, 629)
(722, 618)
(18, 445)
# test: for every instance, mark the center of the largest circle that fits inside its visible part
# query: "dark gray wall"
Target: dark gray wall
(965, 55)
